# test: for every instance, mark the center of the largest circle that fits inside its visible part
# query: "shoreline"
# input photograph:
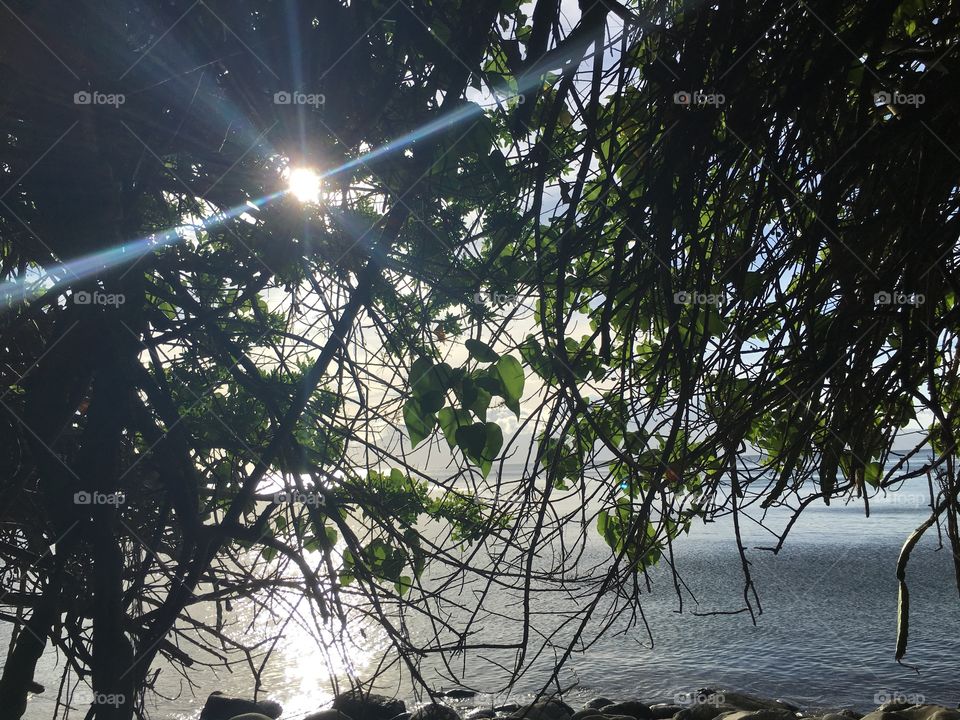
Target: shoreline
(701, 704)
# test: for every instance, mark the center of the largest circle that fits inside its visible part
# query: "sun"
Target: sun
(304, 184)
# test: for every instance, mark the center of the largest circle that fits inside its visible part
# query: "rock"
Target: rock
(845, 714)
(250, 716)
(789, 706)
(742, 701)
(884, 715)
(507, 707)
(905, 710)
(434, 711)
(662, 711)
(894, 706)
(588, 713)
(545, 710)
(761, 714)
(633, 708)
(328, 715)
(703, 711)
(368, 706)
(480, 714)
(221, 707)
(930, 712)
(457, 694)
(597, 703)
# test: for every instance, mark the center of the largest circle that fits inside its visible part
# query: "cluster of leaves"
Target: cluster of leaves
(702, 278)
(464, 423)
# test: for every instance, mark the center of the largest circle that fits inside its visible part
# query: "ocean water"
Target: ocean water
(825, 637)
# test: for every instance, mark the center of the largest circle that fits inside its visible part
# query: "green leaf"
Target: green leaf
(491, 382)
(873, 473)
(480, 443)
(475, 398)
(419, 424)
(511, 375)
(471, 439)
(715, 324)
(427, 378)
(404, 584)
(481, 351)
(450, 420)
(753, 284)
(431, 401)
(491, 448)
(420, 375)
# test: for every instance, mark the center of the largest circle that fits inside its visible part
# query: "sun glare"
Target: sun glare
(304, 184)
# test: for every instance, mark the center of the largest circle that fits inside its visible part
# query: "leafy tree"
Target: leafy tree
(660, 238)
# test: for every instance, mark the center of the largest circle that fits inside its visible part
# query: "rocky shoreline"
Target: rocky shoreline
(704, 704)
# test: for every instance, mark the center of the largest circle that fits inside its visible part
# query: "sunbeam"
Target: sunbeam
(303, 183)
(84, 267)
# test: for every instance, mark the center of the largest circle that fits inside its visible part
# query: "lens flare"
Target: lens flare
(304, 184)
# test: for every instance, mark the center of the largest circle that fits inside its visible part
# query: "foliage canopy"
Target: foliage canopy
(624, 251)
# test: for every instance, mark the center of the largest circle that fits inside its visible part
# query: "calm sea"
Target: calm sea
(825, 637)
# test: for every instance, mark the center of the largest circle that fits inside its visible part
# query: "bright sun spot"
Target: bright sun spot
(304, 184)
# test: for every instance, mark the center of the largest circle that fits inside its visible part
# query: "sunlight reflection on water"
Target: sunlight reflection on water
(825, 637)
